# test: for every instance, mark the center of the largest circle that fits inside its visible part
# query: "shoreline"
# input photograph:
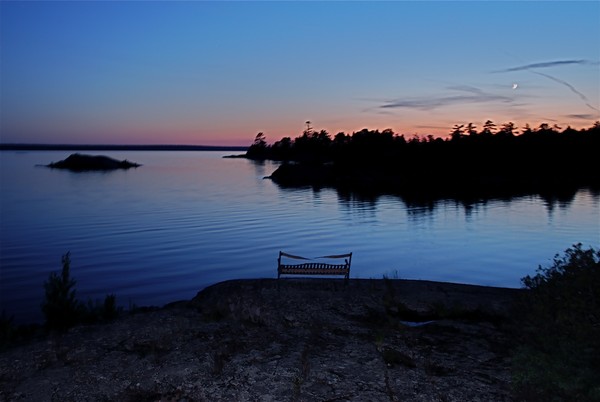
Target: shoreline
(115, 147)
(286, 339)
(18, 322)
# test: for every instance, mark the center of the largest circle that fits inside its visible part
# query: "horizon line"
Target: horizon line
(117, 147)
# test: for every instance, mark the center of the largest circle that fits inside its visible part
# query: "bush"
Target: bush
(61, 307)
(109, 308)
(12, 334)
(558, 325)
(7, 330)
(106, 311)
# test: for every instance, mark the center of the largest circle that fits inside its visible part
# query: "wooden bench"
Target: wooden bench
(314, 268)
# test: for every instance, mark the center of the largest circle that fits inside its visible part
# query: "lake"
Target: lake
(187, 219)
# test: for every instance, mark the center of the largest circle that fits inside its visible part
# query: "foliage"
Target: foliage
(11, 334)
(7, 330)
(496, 161)
(61, 308)
(259, 148)
(558, 326)
(109, 308)
(461, 140)
(106, 311)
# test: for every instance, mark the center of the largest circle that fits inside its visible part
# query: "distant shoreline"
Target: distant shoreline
(92, 147)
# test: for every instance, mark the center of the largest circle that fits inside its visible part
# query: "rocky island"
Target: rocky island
(81, 162)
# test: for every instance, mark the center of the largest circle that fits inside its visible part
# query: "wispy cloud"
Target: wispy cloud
(472, 95)
(545, 64)
(571, 87)
(583, 116)
(547, 119)
(532, 66)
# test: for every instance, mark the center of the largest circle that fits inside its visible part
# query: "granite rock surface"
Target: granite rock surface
(286, 340)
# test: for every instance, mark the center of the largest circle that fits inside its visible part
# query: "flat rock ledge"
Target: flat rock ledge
(282, 340)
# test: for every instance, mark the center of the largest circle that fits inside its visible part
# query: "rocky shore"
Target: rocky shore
(286, 340)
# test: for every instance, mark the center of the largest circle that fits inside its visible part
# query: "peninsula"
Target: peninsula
(493, 163)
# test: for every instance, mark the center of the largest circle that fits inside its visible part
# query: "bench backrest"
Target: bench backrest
(308, 266)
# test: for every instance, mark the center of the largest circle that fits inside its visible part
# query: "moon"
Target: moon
(515, 85)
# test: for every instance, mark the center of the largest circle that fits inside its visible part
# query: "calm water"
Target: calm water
(185, 220)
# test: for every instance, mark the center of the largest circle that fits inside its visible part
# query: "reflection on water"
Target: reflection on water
(358, 203)
(185, 220)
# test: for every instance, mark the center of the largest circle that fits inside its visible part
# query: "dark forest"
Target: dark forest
(469, 163)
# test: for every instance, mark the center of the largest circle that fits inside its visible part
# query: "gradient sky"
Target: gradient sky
(216, 73)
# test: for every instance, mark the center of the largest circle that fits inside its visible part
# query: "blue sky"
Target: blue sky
(202, 72)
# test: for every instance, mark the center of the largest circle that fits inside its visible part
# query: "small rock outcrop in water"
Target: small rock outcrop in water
(80, 162)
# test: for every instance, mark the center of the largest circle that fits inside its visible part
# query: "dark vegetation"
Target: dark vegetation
(557, 328)
(62, 310)
(493, 162)
(554, 327)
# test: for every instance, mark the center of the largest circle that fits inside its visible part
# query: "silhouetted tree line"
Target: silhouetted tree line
(494, 158)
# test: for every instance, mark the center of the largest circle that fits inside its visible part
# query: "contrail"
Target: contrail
(571, 87)
(545, 64)
(530, 67)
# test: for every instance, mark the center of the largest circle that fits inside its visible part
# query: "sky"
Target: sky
(217, 73)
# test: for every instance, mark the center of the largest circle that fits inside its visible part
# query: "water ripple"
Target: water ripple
(186, 220)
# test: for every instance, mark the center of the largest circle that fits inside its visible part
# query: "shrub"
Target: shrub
(97, 311)
(7, 329)
(109, 308)
(60, 307)
(12, 334)
(558, 326)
